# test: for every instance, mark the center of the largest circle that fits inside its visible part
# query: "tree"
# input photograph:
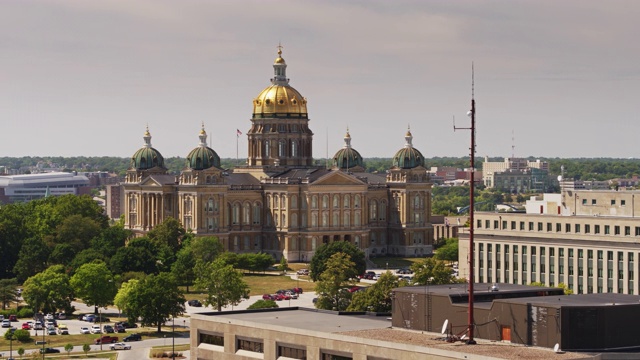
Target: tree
(263, 304)
(86, 348)
(12, 234)
(68, 349)
(376, 298)
(32, 259)
(49, 290)
(448, 251)
(21, 352)
(123, 297)
(141, 254)
(156, 299)
(284, 265)
(332, 287)
(431, 271)
(324, 252)
(567, 290)
(206, 248)
(94, 284)
(8, 292)
(183, 267)
(169, 233)
(222, 283)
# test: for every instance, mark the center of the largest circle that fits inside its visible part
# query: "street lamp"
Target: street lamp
(11, 343)
(100, 332)
(173, 338)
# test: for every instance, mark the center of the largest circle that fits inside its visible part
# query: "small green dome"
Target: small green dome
(203, 157)
(146, 157)
(408, 157)
(347, 157)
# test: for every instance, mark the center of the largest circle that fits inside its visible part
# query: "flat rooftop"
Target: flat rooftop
(313, 319)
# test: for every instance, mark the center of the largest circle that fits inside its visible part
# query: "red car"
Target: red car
(13, 317)
(25, 326)
(268, 297)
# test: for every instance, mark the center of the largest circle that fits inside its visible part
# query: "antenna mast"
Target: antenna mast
(513, 144)
(472, 114)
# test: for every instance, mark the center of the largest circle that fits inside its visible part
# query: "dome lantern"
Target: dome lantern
(147, 157)
(202, 157)
(347, 157)
(408, 157)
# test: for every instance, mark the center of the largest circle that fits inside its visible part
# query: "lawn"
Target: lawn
(264, 284)
(394, 262)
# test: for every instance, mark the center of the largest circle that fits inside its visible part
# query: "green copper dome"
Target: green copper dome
(203, 157)
(147, 157)
(408, 157)
(347, 157)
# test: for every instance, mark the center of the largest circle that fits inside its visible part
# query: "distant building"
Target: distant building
(516, 175)
(22, 188)
(114, 207)
(450, 175)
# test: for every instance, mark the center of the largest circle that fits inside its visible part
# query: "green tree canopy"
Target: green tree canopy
(222, 284)
(123, 297)
(335, 280)
(94, 284)
(169, 233)
(324, 252)
(377, 297)
(8, 292)
(263, 304)
(433, 272)
(156, 299)
(141, 254)
(206, 248)
(183, 268)
(32, 259)
(448, 251)
(49, 290)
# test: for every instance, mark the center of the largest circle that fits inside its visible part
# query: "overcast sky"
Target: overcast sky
(552, 78)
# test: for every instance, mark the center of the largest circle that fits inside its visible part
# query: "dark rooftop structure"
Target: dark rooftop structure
(527, 315)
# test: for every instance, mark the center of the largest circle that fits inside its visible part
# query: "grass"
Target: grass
(264, 284)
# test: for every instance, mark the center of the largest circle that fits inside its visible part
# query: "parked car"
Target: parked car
(6, 323)
(303, 272)
(37, 325)
(61, 316)
(49, 351)
(132, 337)
(194, 303)
(51, 330)
(108, 329)
(88, 317)
(119, 328)
(292, 295)
(106, 339)
(30, 323)
(100, 318)
(25, 326)
(268, 297)
(13, 317)
(85, 330)
(95, 329)
(120, 346)
(49, 317)
(127, 325)
(368, 275)
(63, 329)
(297, 290)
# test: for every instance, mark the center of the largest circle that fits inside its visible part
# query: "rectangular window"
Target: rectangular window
(627, 230)
(251, 345)
(613, 201)
(558, 227)
(607, 230)
(522, 225)
(291, 352)
(593, 201)
(327, 356)
(549, 227)
(616, 230)
(504, 224)
(637, 230)
(623, 203)
(584, 201)
(479, 224)
(513, 226)
(487, 224)
(530, 225)
(212, 339)
(596, 229)
(567, 228)
(496, 224)
(561, 252)
(540, 226)
(577, 228)
(587, 229)
(590, 254)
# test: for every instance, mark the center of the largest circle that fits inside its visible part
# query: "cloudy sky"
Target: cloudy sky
(552, 78)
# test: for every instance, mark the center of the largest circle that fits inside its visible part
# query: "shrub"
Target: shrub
(19, 335)
(263, 304)
(25, 312)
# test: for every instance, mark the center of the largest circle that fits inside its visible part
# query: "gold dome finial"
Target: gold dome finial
(146, 132)
(279, 59)
(408, 130)
(202, 129)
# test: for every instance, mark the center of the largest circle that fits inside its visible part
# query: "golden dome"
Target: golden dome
(280, 99)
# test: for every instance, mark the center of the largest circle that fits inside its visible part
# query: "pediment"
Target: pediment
(149, 181)
(338, 178)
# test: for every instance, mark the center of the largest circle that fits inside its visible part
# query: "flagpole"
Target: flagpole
(237, 137)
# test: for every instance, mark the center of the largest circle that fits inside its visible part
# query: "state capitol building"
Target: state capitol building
(280, 202)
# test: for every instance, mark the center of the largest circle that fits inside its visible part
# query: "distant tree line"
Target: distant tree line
(575, 168)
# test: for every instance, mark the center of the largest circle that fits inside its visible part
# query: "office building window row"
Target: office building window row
(567, 228)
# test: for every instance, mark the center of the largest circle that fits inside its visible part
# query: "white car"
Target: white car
(95, 329)
(85, 330)
(120, 346)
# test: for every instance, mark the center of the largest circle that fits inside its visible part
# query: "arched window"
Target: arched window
(336, 219)
(133, 203)
(314, 202)
(275, 220)
(294, 201)
(303, 219)
(373, 210)
(236, 245)
(357, 241)
(283, 202)
(282, 146)
(314, 219)
(325, 219)
(284, 220)
(294, 148)
(314, 243)
(373, 238)
(276, 201)
(346, 201)
(256, 213)
(325, 201)
(267, 149)
(346, 219)
(382, 213)
(268, 201)
(187, 205)
(336, 201)
(356, 218)
(246, 214)
(236, 214)
(416, 202)
(294, 220)
(356, 202)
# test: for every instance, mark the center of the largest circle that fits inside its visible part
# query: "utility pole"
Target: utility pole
(472, 114)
